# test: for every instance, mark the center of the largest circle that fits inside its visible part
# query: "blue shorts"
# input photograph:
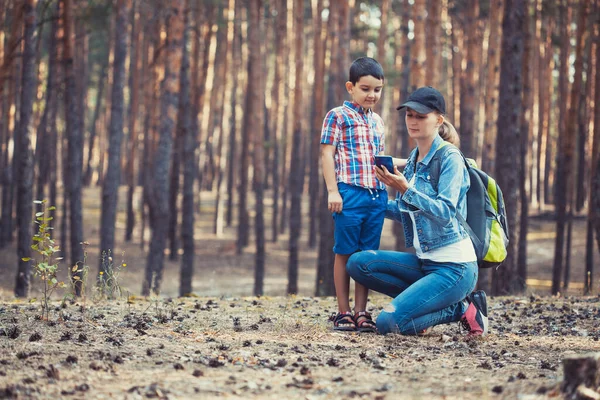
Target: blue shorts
(358, 227)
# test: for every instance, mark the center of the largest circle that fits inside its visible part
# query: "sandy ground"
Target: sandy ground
(224, 344)
(283, 347)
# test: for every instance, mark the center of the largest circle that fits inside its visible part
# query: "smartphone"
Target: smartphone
(385, 161)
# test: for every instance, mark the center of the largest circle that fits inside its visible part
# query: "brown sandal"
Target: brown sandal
(343, 322)
(364, 322)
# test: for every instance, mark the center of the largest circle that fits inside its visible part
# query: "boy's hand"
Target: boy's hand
(334, 202)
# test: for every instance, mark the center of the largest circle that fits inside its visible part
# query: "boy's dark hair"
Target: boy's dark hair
(365, 66)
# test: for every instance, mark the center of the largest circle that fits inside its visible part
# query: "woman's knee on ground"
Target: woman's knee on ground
(386, 323)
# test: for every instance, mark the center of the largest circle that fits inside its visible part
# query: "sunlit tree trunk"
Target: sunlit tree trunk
(222, 98)
(232, 170)
(418, 50)
(433, 48)
(23, 150)
(75, 146)
(505, 279)
(159, 190)
(112, 180)
(488, 161)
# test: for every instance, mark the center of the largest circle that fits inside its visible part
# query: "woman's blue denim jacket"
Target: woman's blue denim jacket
(435, 203)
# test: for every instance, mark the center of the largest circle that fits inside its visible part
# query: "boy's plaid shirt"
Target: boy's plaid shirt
(358, 136)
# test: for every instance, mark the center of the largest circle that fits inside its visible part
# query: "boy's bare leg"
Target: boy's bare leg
(361, 294)
(341, 280)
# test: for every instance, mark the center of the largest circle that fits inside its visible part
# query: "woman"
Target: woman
(431, 287)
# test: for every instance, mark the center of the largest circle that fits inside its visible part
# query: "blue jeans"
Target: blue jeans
(426, 293)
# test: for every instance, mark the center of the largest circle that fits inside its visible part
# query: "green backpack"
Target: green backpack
(486, 216)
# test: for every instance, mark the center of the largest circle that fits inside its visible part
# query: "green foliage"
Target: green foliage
(45, 263)
(79, 274)
(107, 283)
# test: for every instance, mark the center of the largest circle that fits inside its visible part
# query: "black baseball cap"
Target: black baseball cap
(425, 100)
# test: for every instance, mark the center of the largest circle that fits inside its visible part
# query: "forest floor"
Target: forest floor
(225, 343)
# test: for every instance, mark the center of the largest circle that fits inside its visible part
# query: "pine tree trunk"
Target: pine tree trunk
(243, 229)
(468, 98)
(594, 196)
(236, 54)
(296, 179)
(75, 135)
(433, 48)
(278, 98)
(112, 180)
(418, 52)
(8, 73)
(318, 106)
(87, 177)
(222, 99)
(134, 103)
(44, 143)
(505, 279)
(488, 161)
(254, 109)
(159, 190)
(565, 184)
(188, 148)
(525, 120)
(23, 151)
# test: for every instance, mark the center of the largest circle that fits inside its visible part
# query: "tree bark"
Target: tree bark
(488, 161)
(468, 98)
(189, 171)
(158, 200)
(565, 184)
(318, 105)
(75, 135)
(279, 98)
(418, 51)
(23, 151)
(8, 73)
(296, 179)
(526, 116)
(433, 48)
(44, 154)
(255, 111)
(112, 180)
(505, 279)
(594, 195)
(134, 103)
(220, 162)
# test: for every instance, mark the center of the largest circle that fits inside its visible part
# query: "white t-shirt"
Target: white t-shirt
(459, 252)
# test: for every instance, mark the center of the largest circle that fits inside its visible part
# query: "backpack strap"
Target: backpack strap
(434, 171)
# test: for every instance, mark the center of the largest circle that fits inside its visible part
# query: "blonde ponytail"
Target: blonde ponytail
(448, 133)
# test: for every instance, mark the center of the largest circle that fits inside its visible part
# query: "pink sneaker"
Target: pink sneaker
(475, 319)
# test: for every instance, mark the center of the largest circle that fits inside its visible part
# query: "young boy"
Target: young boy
(351, 136)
